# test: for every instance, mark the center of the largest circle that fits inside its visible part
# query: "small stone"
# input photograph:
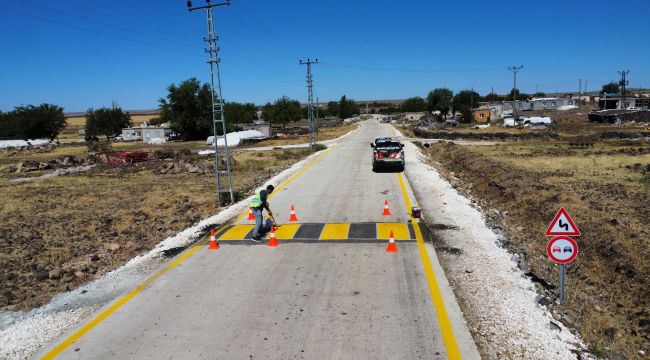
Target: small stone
(95, 257)
(55, 274)
(469, 271)
(112, 246)
(554, 326)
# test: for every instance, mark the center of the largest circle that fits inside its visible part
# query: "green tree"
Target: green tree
(333, 108)
(33, 122)
(610, 88)
(282, 111)
(188, 109)
(413, 104)
(539, 94)
(492, 97)
(440, 99)
(347, 108)
(238, 113)
(107, 121)
(519, 95)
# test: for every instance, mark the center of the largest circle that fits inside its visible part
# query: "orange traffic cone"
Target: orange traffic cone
(214, 245)
(293, 214)
(391, 243)
(250, 215)
(386, 209)
(273, 241)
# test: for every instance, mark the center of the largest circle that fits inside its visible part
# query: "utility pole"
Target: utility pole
(217, 101)
(492, 94)
(310, 101)
(514, 70)
(624, 82)
(317, 106)
(471, 102)
(580, 86)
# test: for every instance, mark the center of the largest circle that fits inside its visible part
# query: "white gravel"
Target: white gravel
(22, 334)
(497, 300)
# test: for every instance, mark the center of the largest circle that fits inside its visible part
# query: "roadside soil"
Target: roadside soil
(606, 189)
(324, 133)
(58, 233)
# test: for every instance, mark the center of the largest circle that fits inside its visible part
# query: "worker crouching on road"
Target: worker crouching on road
(258, 204)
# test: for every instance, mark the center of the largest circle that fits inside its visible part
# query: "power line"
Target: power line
(157, 37)
(94, 31)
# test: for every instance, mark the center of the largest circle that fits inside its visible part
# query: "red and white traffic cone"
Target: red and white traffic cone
(391, 243)
(386, 209)
(273, 241)
(214, 245)
(251, 216)
(293, 216)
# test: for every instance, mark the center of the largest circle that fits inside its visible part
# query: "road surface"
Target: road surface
(329, 291)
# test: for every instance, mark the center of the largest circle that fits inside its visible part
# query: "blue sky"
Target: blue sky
(87, 53)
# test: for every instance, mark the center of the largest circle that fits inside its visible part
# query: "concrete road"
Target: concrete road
(301, 300)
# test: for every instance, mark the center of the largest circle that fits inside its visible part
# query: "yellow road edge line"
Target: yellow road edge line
(436, 296)
(115, 306)
(292, 178)
(57, 350)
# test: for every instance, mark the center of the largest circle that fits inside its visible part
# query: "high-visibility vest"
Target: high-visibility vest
(257, 199)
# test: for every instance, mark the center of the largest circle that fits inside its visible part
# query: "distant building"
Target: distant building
(550, 103)
(618, 102)
(261, 126)
(146, 133)
(482, 115)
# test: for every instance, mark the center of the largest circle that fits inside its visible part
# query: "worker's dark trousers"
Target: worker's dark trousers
(260, 228)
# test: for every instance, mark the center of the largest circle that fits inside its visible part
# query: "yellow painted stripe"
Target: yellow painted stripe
(126, 298)
(118, 304)
(436, 296)
(335, 232)
(292, 178)
(236, 232)
(400, 231)
(286, 231)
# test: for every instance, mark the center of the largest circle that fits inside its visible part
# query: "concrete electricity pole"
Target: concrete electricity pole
(514, 70)
(310, 101)
(217, 101)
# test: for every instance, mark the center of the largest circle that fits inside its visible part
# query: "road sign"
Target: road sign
(562, 225)
(562, 249)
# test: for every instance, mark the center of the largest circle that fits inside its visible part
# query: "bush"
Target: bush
(318, 147)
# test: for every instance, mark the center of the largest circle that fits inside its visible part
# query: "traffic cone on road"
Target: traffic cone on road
(273, 241)
(293, 214)
(391, 243)
(386, 209)
(250, 215)
(214, 245)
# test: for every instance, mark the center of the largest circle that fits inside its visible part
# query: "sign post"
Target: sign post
(562, 249)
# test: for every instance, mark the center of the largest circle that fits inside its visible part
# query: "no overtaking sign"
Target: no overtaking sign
(562, 249)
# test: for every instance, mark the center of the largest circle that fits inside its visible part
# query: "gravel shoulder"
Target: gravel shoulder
(497, 299)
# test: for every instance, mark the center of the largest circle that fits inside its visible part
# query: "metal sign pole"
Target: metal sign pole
(561, 283)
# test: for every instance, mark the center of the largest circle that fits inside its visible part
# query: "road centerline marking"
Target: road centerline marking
(434, 290)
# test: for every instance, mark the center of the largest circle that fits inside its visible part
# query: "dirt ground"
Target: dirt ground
(324, 133)
(58, 233)
(606, 189)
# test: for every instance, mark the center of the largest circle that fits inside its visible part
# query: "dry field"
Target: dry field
(325, 133)
(58, 233)
(606, 189)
